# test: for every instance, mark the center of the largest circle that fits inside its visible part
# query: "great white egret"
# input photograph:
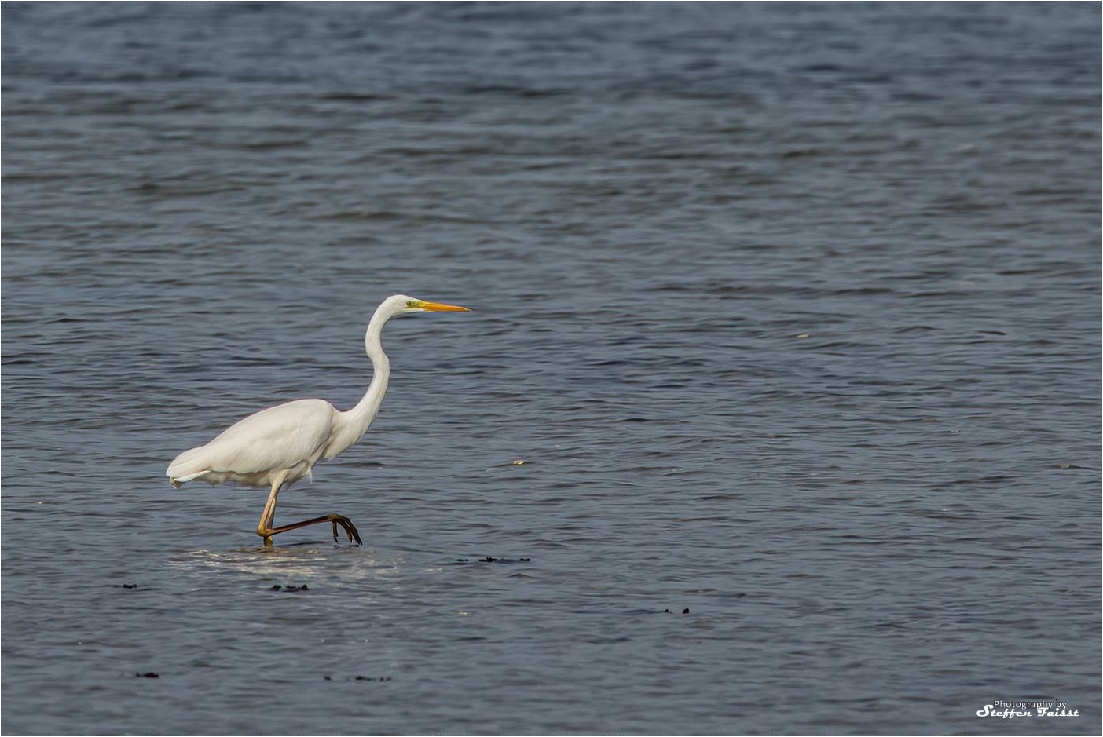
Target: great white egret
(278, 446)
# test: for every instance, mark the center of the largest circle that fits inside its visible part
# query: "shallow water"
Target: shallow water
(790, 312)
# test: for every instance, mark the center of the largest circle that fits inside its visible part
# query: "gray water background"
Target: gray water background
(791, 312)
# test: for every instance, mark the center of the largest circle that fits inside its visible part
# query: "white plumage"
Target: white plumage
(288, 437)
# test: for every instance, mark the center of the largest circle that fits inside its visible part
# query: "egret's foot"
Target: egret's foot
(346, 524)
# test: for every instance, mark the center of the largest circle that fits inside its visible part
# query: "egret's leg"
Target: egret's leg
(336, 519)
(266, 530)
(264, 526)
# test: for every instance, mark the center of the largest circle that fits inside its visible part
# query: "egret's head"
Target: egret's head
(407, 304)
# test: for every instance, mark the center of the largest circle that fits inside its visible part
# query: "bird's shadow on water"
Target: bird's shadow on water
(306, 546)
(302, 560)
(312, 562)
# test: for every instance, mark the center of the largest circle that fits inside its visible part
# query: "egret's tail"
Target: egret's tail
(186, 467)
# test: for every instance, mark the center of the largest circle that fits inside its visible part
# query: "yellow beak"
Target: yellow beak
(438, 307)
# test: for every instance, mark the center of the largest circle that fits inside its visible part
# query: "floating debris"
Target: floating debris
(361, 678)
(277, 587)
(492, 559)
(148, 674)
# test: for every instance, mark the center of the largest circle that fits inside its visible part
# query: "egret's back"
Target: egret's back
(289, 437)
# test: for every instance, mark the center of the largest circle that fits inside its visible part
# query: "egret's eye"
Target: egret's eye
(411, 303)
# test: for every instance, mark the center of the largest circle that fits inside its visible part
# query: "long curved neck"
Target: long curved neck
(352, 424)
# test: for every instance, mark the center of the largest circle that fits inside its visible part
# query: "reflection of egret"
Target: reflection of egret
(278, 446)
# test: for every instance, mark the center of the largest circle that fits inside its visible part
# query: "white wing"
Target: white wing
(280, 437)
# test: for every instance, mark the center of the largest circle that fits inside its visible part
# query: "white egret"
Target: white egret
(280, 445)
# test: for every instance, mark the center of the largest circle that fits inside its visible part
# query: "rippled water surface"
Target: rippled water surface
(778, 411)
